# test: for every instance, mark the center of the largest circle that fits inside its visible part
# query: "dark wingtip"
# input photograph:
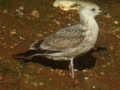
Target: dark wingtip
(19, 56)
(26, 54)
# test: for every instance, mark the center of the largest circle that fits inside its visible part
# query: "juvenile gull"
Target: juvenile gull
(71, 41)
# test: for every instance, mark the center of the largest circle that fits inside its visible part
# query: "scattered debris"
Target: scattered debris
(69, 24)
(111, 48)
(116, 22)
(108, 63)
(62, 73)
(35, 84)
(26, 81)
(21, 8)
(5, 11)
(39, 35)
(41, 84)
(52, 70)
(11, 47)
(35, 13)
(13, 33)
(50, 79)
(63, 4)
(75, 69)
(103, 66)
(94, 86)
(68, 4)
(3, 27)
(86, 78)
(19, 12)
(27, 76)
(102, 73)
(57, 22)
(85, 70)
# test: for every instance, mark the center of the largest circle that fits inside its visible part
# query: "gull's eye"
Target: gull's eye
(93, 9)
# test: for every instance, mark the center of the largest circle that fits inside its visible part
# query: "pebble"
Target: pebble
(3, 27)
(75, 69)
(39, 35)
(15, 44)
(5, 11)
(13, 32)
(102, 73)
(21, 7)
(103, 66)
(69, 24)
(57, 22)
(118, 36)
(111, 48)
(116, 22)
(52, 70)
(35, 13)
(11, 47)
(85, 70)
(108, 63)
(86, 78)
(22, 38)
(27, 76)
(26, 81)
(50, 79)
(93, 86)
(35, 84)
(41, 83)
(19, 12)
(61, 73)
(103, 58)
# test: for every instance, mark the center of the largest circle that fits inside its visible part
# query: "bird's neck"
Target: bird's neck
(91, 27)
(88, 21)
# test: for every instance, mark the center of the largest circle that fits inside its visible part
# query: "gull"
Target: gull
(71, 41)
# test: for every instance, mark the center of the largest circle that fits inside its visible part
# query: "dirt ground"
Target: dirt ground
(24, 21)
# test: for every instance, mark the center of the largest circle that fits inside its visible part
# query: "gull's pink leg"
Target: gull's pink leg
(71, 68)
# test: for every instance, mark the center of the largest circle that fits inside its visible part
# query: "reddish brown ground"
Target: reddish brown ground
(97, 71)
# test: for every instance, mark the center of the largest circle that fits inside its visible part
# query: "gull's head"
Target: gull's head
(90, 9)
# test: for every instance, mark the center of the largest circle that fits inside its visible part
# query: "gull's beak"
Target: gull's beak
(99, 11)
(103, 12)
